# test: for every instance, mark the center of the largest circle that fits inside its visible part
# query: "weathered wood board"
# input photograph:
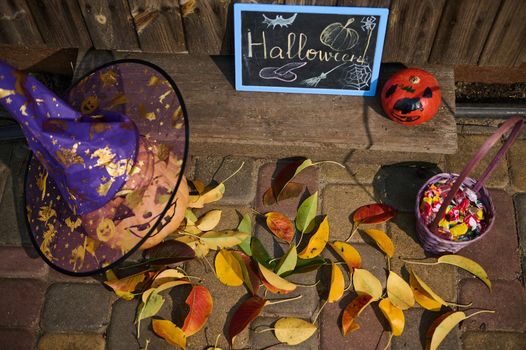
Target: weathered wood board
(272, 123)
(17, 25)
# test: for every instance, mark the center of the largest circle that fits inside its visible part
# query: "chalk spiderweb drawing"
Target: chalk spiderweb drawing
(279, 21)
(357, 76)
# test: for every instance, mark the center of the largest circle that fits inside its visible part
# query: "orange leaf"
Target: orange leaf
(245, 313)
(291, 190)
(201, 303)
(280, 225)
(373, 213)
(284, 175)
(352, 311)
(382, 240)
(170, 332)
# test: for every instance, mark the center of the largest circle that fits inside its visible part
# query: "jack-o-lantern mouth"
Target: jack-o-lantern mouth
(405, 118)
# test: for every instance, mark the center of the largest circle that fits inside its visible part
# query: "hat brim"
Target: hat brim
(149, 97)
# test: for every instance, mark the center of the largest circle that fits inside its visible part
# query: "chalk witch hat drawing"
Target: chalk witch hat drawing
(106, 175)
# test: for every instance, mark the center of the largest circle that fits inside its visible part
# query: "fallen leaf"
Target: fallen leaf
(170, 332)
(382, 240)
(317, 241)
(222, 239)
(399, 292)
(150, 307)
(168, 252)
(190, 217)
(125, 287)
(288, 261)
(171, 284)
(291, 190)
(468, 265)
(307, 213)
(246, 226)
(348, 253)
(280, 225)
(214, 194)
(352, 311)
(201, 304)
(166, 276)
(198, 185)
(394, 316)
(373, 213)
(337, 284)
(250, 277)
(284, 176)
(245, 313)
(306, 265)
(200, 249)
(209, 220)
(260, 254)
(423, 294)
(276, 281)
(293, 331)
(365, 282)
(228, 269)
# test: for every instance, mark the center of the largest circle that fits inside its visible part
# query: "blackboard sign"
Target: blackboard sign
(308, 49)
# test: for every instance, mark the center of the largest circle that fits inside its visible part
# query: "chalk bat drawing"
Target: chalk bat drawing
(314, 81)
(340, 37)
(357, 76)
(284, 73)
(279, 21)
(369, 23)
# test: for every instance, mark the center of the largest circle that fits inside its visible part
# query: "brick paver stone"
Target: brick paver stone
(267, 340)
(17, 338)
(52, 341)
(76, 307)
(520, 213)
(507, 298)
(339, 202)
(122, 331)
(498, 251)
(371, 334)
(493, 341)
(9, 229)
(16, 262)
(353, 173)
(517, 163)
(441, 278)
(417, 322)
(468, 145)
(240, 189)
(20, 302)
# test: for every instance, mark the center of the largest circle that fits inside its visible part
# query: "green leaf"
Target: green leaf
(307, 213)
(244, 271)
(246, 226)
(288, 261)
(260, 254)
(306, 265)
(223, 239)
(151, 307)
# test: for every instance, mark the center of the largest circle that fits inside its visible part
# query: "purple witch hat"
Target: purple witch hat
(107, 163)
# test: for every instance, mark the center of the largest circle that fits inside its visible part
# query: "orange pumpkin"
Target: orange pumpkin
(411, 96)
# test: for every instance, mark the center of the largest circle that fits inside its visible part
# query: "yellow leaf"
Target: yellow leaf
(275, 280)
(348, 253)
(365, 282)
(201, 249)
(222, 239)
(382, 240)
(293, 331)
(394, 315)
(209, 220)
(195, 201)
(423, 294)
(199, 186)
(170, 284)
(468, 265)
(228, 270)
(170, 332)
(337, 284)
(317, 242)
(167, 276)
(214, 194)
(399, 292)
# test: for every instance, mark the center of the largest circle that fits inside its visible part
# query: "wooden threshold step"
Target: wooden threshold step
(258, 124)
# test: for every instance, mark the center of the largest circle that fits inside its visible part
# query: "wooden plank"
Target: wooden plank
(463, 30)
(262, 124)
(17, 25)
(60, 23)
(110, 24)
(159, 25)
(365, 3)
(50, 60)
(507, 37)
(312, 2)
(411, 30)
(207, 26)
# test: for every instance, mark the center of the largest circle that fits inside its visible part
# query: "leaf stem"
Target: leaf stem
(330, 161)
(284, 300)
(352, 232)
(480, 312)
(318, 312)
(308, 285)
(416, 262)
(389, 341)
(235, 172)
(264, 330)
(459, 305)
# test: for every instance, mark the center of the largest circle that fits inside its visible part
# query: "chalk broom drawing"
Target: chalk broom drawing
(314, 81)
(284, 73)
(369, 23)
(340, 37)
(357, 76)
(279, 21)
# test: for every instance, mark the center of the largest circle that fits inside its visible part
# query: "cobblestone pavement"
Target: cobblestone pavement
(40, 308)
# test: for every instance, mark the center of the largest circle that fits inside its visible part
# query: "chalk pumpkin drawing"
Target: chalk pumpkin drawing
(411, 96)
(340, 37)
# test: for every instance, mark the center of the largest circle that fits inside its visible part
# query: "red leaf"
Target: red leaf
(352, 311)
(291, 190)
(201, 303)
(280, 225)
(251, 268)
(245, 314)
(284, 175)
(373, 213)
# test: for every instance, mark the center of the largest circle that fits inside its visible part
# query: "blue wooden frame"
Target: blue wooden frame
(381, 12)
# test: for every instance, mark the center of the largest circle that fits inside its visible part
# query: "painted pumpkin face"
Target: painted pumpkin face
(411, 96)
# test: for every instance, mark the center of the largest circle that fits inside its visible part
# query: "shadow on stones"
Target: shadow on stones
(179, 307)
(398, 184)
(425, 322)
